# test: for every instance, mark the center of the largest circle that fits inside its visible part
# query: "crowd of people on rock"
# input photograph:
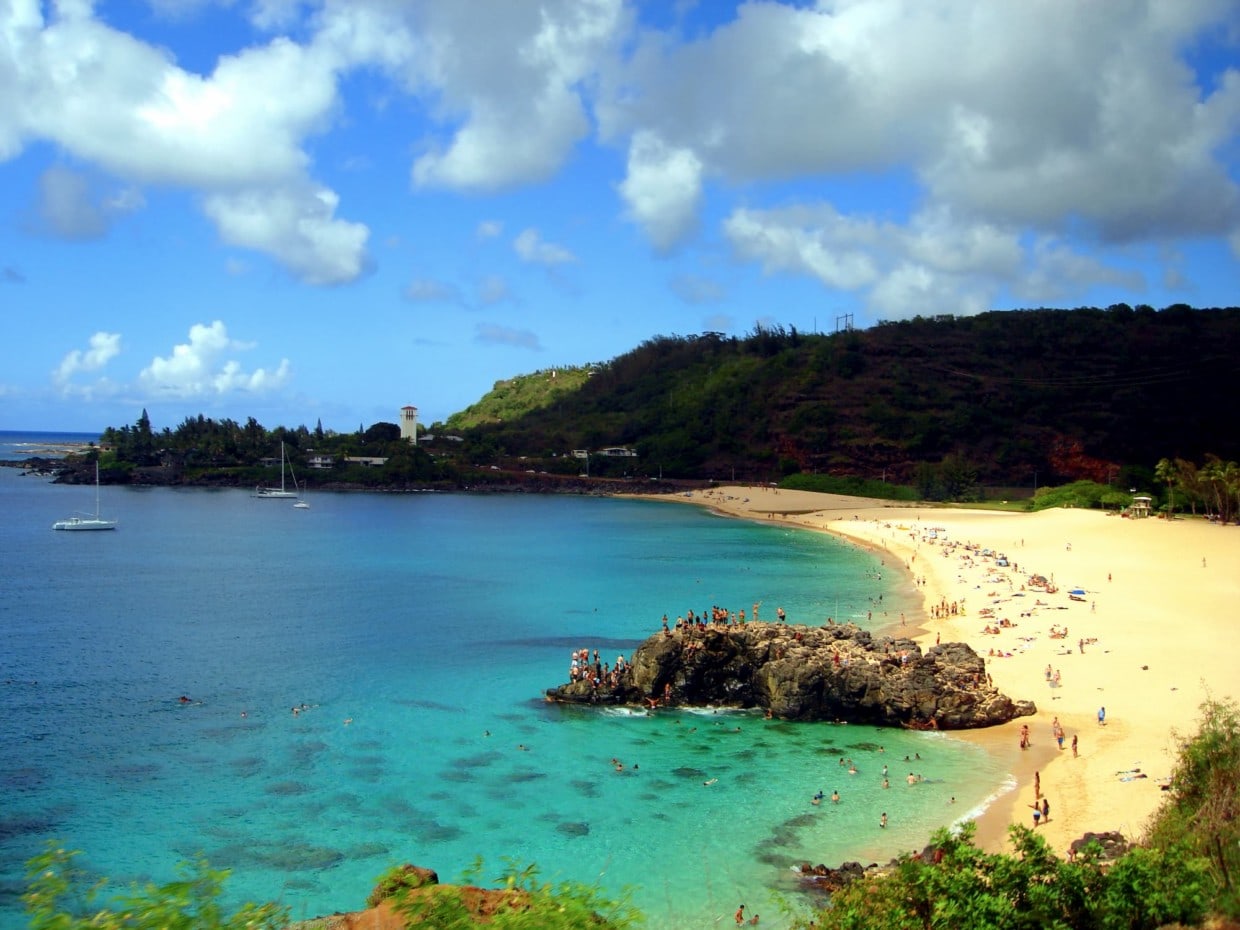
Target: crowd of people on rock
(598, 673)
(718, 616)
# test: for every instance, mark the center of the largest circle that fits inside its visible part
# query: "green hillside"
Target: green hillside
(1014, 397)
(516, 397)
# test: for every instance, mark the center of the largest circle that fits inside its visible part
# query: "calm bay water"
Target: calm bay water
(419, 631)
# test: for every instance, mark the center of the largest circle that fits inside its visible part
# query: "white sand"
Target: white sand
(1159, 600)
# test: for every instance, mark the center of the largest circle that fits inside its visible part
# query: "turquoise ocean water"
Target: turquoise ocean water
(419, 631)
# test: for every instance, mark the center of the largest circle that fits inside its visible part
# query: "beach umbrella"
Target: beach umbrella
(1080, 592)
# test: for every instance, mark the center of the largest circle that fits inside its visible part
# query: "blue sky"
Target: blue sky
(310, 211)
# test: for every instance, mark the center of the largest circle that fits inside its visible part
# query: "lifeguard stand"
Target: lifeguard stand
(1140, 507)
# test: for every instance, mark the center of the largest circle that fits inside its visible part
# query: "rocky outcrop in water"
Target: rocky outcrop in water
(836, 672)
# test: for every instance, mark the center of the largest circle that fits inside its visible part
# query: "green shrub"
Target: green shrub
(964, 888)
(60, 897)
(525, 903)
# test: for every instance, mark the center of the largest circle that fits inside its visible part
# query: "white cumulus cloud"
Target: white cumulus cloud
(103, 347)
(511, 86)
(663, 189)
(202, 367)
(296, 226)
(530, 247)
(815, 240)
(235, 135)
(1003, 123)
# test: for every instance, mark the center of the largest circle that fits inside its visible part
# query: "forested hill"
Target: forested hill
(1068, 394)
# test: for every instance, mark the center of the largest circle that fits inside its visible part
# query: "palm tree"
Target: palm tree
(1230, 474)
(1189, 481)
(1165, 470)
(1223, 479)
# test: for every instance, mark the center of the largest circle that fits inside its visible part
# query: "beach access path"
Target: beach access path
(1157, 620)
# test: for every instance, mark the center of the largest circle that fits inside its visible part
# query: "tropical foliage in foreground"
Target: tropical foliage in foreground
(60, 896)
(1202, 811)
(967, 889)
(524, 902)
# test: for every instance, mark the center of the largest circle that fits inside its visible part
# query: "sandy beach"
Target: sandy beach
(1149, 640)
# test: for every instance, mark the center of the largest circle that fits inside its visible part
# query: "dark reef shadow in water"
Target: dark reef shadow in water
(287, 788)
(526, 775)
(429, 705)
(134, 772)
(604, 645)
(17, 826)
(479, 760)
(308, 751)
(864, 747)
(246, 766)
(586, 788)
(23, 778)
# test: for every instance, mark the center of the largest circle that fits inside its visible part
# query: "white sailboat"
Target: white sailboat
(279, 493)
(87, 521)
(301, 498)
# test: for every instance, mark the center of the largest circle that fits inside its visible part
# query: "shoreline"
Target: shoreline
(1139, 659)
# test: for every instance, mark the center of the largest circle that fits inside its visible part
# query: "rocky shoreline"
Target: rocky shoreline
(794, 672)
(81, 471)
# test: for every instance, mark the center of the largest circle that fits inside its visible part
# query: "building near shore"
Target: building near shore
(409, 424)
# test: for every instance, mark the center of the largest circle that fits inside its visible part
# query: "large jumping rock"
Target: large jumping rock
(808, 673)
